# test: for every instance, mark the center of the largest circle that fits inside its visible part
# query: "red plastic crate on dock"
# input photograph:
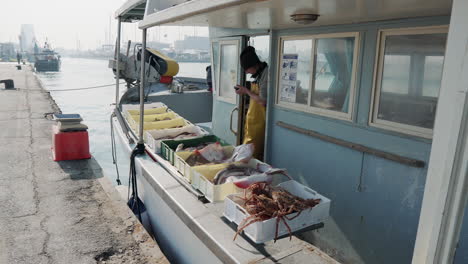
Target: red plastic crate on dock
(70, 145)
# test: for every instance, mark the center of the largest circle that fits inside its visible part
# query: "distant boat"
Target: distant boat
(47, 59)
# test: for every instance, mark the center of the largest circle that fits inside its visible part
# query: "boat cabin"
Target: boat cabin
(366, 104)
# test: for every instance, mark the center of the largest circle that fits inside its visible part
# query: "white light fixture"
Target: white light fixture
(304, 19)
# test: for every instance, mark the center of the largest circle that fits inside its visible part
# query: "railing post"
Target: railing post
(142, 86)
(117, 67)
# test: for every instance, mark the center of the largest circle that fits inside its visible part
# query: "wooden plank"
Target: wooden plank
(382, 154)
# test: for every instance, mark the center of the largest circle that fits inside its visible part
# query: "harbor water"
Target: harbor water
(96, 105)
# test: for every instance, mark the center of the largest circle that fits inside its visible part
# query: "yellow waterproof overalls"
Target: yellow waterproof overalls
(254, 130)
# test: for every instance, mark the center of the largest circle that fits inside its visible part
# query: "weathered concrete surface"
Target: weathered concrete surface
(56, 212)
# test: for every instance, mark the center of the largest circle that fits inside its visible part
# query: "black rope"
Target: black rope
(134, 201)
(84, 88)
(114, 150)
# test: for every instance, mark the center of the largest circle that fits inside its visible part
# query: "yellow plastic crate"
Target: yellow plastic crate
(176, 122)
(185, 169)
(155, 117)
(151, 111)
(134, 120)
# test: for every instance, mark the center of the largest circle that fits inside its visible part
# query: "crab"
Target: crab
(263, 202)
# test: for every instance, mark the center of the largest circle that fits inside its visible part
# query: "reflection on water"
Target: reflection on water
(95, 105)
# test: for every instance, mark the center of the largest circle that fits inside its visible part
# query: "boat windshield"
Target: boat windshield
(47, 57)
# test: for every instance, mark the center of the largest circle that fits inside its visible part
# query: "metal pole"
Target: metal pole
(117, 66)
(142, 86)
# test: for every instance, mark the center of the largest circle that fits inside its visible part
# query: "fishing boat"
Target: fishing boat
(367, 105)
(46, 59)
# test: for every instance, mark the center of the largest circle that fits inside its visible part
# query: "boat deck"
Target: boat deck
(178, 212)
(57, 212)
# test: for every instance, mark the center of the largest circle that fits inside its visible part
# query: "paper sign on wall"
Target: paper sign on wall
(288, 78)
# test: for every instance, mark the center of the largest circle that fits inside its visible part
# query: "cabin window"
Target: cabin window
(408, 77)
(228, 70)
(317, 73)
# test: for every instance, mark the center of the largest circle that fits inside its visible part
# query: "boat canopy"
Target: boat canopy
(276, 14)
(132, 10)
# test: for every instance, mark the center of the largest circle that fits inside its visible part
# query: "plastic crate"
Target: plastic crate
(134, 120)
(261, 232)
(186, 170)
(202, 177)
(132, 115)
(169, 146)
(69, 145)
(149, 111)
(153, 138)
(155, 117)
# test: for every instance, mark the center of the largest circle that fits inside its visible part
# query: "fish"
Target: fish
(245, 182)
(213, 152)
(181, 146)
(196, 159)
(234, 171)
(162, 119)
(204, 153)
(185, 135)
(243, 175)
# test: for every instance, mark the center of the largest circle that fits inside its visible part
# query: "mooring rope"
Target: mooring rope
(114, 150)
(83, 88)
(134, 200)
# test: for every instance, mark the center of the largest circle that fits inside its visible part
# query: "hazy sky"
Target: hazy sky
(65, 22)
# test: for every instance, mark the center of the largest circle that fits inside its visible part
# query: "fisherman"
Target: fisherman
(18, 57)
(209, 80)
(254, 128)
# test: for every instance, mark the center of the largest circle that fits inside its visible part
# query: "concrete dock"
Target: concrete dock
(57, 212)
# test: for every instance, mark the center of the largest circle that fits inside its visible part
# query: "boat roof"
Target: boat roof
(132, 10)
(275, 14)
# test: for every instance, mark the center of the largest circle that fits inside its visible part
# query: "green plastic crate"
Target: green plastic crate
(168, 147)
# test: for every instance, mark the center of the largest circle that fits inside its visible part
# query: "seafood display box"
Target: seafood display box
(155, 144)
(186, 170)
(156, 119)
(168, 147)
(202, 177)
(264, 231)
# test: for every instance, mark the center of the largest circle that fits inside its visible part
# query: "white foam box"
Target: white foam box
(155, 144)
(261, 232)
(202, 177)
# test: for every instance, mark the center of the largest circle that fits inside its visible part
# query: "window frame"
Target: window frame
(374, 121)
(219, 95)
(313, 109)
(214, 69)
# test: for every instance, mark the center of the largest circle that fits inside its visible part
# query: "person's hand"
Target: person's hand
(241, 89)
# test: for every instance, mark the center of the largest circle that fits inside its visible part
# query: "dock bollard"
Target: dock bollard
(9, 84)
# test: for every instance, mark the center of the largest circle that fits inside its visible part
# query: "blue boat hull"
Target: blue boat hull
(49, 65)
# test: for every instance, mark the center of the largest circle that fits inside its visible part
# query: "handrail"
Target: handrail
(230, 125)
(382, 154)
